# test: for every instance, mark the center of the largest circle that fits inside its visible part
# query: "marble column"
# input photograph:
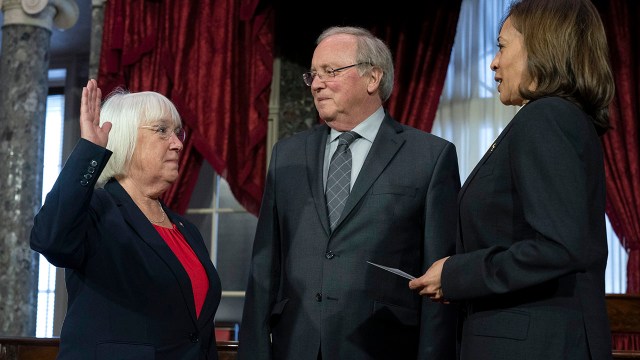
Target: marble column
(297, 111)
(97, 25)
(24, 61)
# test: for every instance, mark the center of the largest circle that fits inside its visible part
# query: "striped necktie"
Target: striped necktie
(339, 177)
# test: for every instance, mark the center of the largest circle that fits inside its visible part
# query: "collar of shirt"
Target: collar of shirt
(368, 129)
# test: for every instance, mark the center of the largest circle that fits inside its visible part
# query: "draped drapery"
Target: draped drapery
(213, 59)
(621, 144)
(421, 43)
(625, 341)
(470, 113)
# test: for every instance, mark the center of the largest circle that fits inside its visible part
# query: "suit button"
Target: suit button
(91, 169)
(318, 297)
(84, 182)
(329, 255)
(193, 337)
(93, 163)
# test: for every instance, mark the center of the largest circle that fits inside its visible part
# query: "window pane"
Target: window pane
(51, 169)
(203, 191)
(235, 238)
(226, 197)
(230, 310)
(615, 278)
(203, 223)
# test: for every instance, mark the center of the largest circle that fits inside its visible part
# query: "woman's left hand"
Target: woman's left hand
(90, 128)
(429, 284)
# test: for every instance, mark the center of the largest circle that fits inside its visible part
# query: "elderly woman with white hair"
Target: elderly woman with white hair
(140, 281)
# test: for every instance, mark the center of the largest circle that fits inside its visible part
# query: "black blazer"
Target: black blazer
(531, 241)
(129, 295)
(311, 289)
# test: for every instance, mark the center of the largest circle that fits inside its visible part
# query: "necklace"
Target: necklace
(164, 215)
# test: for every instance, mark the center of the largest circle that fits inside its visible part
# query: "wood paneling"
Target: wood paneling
(20, 348)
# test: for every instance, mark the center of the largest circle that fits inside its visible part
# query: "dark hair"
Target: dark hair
(567, 54)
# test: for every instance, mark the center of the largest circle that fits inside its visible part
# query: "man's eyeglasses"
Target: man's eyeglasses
(165, 132)
(310, 75)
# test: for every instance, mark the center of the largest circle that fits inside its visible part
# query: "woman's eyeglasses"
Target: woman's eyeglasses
(165, 132)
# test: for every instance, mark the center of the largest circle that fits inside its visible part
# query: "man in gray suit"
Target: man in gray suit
(311, 294)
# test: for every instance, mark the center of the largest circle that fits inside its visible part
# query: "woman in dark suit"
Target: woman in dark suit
(139, 278)
(532, 249)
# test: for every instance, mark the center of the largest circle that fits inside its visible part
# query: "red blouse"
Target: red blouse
(190, 262)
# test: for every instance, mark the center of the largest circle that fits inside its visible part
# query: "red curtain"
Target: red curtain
(621, 146)
(625, 341)
(420, 37)
(213, 59)
(421, 43)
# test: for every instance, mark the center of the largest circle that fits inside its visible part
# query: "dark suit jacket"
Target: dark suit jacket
(532, 241)
(129, 295)
(311, 289)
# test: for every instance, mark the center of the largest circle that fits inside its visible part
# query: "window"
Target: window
(52, 165)
(615, 276)
(228, 231)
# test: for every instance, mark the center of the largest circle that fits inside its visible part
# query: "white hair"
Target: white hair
(371, 51)
(127, 112)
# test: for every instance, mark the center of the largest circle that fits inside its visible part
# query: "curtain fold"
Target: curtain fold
(213, 59)
(420, 41)
(470, 113)
(625, 341)
(621, 144)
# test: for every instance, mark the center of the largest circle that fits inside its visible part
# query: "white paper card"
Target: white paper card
(394, 270)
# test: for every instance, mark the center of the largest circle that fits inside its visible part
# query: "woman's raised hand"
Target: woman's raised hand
(90, 115)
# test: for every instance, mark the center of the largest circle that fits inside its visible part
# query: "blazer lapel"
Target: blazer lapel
(202, 253)
(147, 233)
(484, 159)
(384, 148)
(315, 149)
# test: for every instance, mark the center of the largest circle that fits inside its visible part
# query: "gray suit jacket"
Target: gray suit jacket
(532, 241)
(311, 289)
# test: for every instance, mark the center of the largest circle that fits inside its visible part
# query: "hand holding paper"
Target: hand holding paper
(429, 284)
